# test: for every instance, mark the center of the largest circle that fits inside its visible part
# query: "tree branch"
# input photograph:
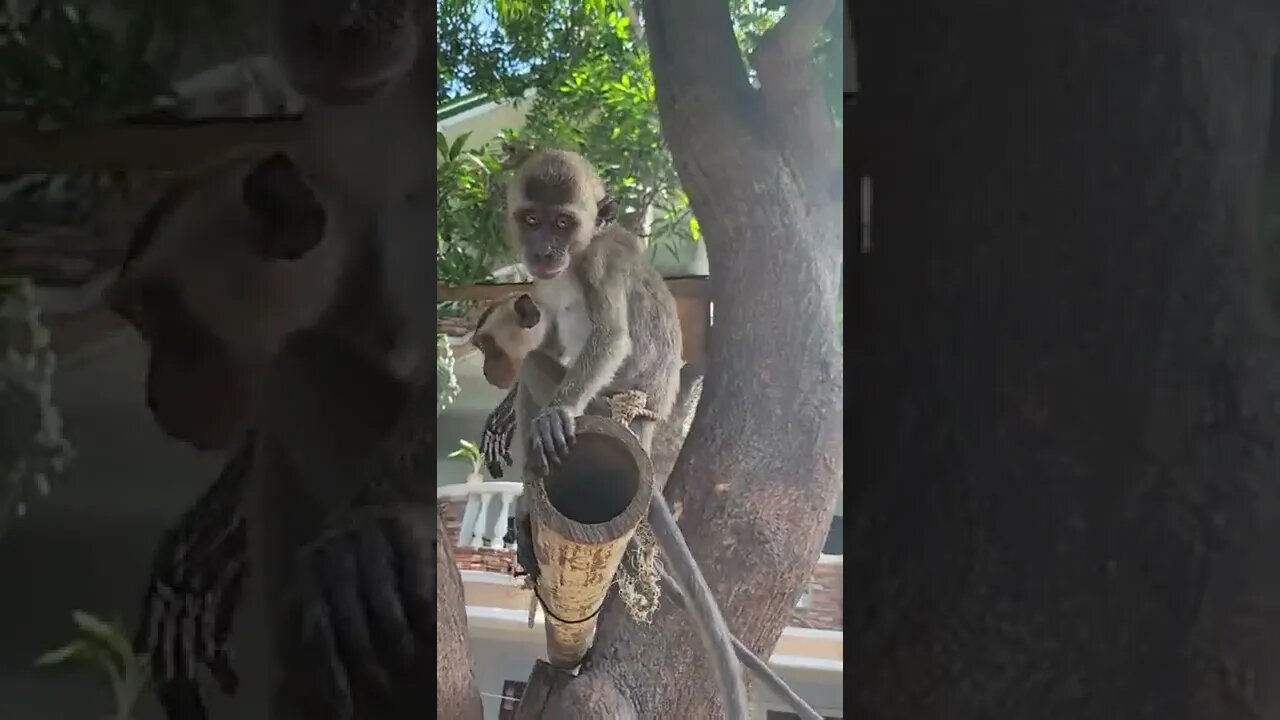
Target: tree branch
(794, 105)
(692, 48)
(637, 30)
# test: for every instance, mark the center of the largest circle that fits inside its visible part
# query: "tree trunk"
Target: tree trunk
(1069, 386)
(758, 476)
(456, 693)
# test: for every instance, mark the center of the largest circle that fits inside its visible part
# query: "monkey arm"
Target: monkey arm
(328, 407)
(499, 427)
(356, 621)
(193, 594)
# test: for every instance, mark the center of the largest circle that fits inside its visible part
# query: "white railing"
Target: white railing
(478, 497)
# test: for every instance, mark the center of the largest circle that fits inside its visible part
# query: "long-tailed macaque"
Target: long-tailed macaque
(614, 329)
(506, 333)
(256, 263)
(366, 133)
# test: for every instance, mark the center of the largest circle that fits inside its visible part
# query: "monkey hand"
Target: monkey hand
(360, 627)
(552, 438)
(525, 555)
(188, 610)
(495, 443)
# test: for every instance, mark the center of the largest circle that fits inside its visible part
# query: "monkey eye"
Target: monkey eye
(564, 222)
(530, 219)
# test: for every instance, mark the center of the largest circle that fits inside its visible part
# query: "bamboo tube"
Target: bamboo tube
(583, 514)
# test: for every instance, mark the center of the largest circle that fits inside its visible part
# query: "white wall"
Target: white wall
(511, 658)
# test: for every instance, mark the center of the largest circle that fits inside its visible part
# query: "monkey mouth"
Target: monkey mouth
(547, 271)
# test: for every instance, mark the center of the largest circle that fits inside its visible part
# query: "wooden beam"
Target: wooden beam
(688, 286)
(693, 304)
(140, 145)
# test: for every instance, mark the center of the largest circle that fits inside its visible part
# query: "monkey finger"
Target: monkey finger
(181, 700)
(561, 430)
(339, 578)
(227, 601)
(415, 569)
(147, 636)
(217, 626)
(381, 590)
(189, 637)
(537, 456)
(317, 680)
(224, 673)
(169, 646)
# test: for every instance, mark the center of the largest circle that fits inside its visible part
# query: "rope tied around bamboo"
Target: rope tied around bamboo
(583, 514)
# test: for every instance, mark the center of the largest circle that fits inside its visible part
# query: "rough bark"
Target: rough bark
(758, 475)
(1069, 386)
(456, 692)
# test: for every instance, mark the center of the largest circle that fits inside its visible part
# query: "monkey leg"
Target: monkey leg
(525, 407)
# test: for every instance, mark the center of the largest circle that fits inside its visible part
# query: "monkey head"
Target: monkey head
(342, 52)
(218, 271)
(555, 203)
(506, 332)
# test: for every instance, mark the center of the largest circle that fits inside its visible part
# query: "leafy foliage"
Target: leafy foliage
(32, 446)
(106, 646)
(469, 223)
(447, 388)
(61, 66)
(589, 65)
(471, 452)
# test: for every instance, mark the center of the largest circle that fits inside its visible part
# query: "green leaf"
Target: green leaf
(74, 650)
(442, 146)
(695, 230)
(110, 636)
(457, 145)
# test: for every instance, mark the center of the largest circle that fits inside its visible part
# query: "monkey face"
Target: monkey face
(500, 369)
(555, 201)
(547, 232)
(194, 390)
(343, 52)
(218, 272)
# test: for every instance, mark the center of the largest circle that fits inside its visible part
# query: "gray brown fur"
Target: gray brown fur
(617, 329)
(613, 318)
(344, 425)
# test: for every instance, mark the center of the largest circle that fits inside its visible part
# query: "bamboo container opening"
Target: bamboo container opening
(597, 483)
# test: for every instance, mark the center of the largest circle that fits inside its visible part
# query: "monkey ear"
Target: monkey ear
(606, 210)
(527, 312)
(293, 220)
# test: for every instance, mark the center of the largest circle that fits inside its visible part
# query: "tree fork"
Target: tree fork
(760, 469)
(1069, 380)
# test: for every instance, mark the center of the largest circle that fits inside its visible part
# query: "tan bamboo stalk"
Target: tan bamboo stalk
(583, 514)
